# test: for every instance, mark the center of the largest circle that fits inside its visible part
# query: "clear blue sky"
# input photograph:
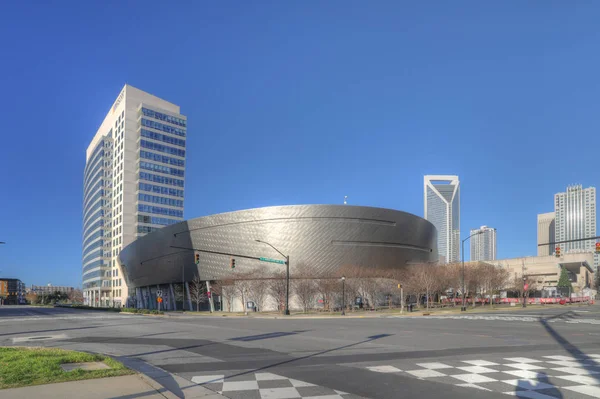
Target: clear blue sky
(302, 102)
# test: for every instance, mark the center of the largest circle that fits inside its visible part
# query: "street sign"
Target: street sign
(159, 293)
(159, 299)
(526, 286)
(208, 294)
(281, 262)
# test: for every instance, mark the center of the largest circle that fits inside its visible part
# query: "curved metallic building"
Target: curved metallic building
(323, 237)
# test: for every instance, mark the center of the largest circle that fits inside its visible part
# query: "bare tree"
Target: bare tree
(499, 281)
(306, 291)
(304, 286)
(179, 293)
(224, 289)
(258, 290)
(242, 288)
(327, 288)
(425, 279)
(198, 292)
(277, 288)
(76, 296)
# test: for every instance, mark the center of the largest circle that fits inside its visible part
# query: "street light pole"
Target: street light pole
(287, 277)
(463, 307)
(343, 295)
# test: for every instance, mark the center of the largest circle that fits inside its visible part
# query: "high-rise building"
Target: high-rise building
(133, 184)
(483, 243)
(575, 212)
(545, 233)
(442, 208)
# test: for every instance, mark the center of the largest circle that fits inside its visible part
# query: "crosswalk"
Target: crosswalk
(537, 319)
(545, 376)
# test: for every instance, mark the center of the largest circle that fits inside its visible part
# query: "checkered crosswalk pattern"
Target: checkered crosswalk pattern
(248, 385)
(569, 320)
(539, 377)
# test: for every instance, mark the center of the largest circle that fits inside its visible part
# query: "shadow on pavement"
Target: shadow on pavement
(267, 336)
(578, 356)
(369, 339)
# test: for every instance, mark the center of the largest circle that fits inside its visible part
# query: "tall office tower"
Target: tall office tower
(133, 184)
(575, 212)
(483, 243)
(546, 229)
(442, 208)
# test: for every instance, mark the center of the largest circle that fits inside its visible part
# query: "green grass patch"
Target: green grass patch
(21, 367)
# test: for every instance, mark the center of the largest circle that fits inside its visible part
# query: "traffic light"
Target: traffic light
(232, 263)
(598, 247)
(197, 258)
(557, 252)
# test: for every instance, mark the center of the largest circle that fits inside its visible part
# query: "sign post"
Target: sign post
(159, 298)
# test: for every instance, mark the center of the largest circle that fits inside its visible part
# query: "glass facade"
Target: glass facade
(156, 220)
(162, 148)
(162, 158)
(165, 128)
(132, 184)
(96, 196)
(575, 217)
(161, 179)
(442, 209)
(164, 117)
(161, 168)
(162, 137)
(161, 190)
(160, 200)
(157, 210)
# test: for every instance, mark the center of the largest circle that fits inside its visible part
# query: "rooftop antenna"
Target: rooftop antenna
(345, 199)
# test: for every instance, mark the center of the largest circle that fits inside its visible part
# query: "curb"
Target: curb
(169, 385)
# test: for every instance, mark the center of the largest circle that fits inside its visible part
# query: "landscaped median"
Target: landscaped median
(20, 367)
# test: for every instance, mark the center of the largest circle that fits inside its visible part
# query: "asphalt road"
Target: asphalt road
(539, 353)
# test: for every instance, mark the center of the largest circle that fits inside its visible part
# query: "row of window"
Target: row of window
(162, 137)
(93, 199)
(146, 229)
(97, 273)
(160, 200)
(96, 245)
(91, 256)
(162, 148)
(94, 236)
(162, 158)
(93, 190)
(99, 148)
(161, 179)
(92, 166)
(94, 226)
(92, 172)
(91, 219)
(164, 117)
(161, 168)
(161, 190)
(160, 211)
(93, 265)
(156, 220)
(163, 127)
(94, 211)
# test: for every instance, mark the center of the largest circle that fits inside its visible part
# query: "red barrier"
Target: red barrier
(530, 301)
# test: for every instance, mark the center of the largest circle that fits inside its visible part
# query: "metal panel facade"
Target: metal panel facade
(323, 237)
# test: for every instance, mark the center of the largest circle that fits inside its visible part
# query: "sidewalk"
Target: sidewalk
(157, 385)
